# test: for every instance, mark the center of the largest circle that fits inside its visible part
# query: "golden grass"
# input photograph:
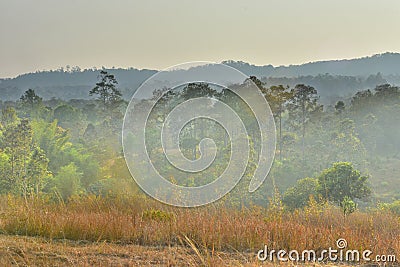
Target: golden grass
(202, 235)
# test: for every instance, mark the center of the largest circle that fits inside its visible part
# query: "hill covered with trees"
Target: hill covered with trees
(334, 79)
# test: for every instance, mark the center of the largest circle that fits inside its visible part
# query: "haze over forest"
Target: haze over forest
(333, 79)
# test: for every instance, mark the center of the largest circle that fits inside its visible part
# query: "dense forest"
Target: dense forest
(337, 153)
(65, 188)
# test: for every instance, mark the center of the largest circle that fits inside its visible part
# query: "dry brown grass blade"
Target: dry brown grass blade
(193, 246)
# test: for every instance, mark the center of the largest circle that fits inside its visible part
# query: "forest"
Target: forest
(63, 174)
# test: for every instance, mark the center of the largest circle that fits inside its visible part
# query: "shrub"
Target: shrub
(299, 195)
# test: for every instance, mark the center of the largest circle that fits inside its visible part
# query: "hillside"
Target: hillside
(387, 64)
(333, 79)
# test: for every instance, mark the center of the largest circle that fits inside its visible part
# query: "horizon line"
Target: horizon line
(95, 68)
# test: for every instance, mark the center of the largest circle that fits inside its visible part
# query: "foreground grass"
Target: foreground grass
(212, 236)
(34, 251)
(30, 251)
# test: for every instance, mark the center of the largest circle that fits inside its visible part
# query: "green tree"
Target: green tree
(277, 97)
(387, 93)
(107, 92)
(68, 181)
(345, 143)
(37, 170)
(17, 141)
(339, 107)
(8, 116)
(52, 139)
(302, 104)
(194, 90)
(361, 100)
(298, 196)
(5, 169)
(31, 104)
(341, 181)
(348, 206)
(31, 98)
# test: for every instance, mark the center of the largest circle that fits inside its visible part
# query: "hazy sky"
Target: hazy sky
(48, 34)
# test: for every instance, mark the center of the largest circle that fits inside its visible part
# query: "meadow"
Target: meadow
(215, 235)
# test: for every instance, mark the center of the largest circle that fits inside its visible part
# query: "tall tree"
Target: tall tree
(37, 170)
(277, 97)
(194, 90)
(17, 141)
(31, 104)
(301, 105)
(107, 92)
(31, 98)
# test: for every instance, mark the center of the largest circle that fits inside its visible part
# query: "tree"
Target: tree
(17, 141)
(194, 90)
(277, 97)
(387, 93)
(299, 195)
(37, 170)
(31, 98)
(348, 206)
(52, 139)
(5, 167)
(8, 116)
(106, 91)
(68, 181)
(345, 143)
(258, 83)
(341, 181)
(301, 106)
(361, 100)
(31, 103)
(339, 107)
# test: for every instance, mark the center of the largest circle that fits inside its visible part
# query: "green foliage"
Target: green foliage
(40, 137)
(106, 90)
(52, 139)
(38, 173)
(5, 168)
(8, 116)
(17, 142)
(67, 181)
(302, 105)
(84, 161)
(342, 181)
(157, 215)
(348, 206)
(32, 105)
(31, 98)
(393, 207)
(277, 97)
(346, 145)
(298, 196)
(340, 107)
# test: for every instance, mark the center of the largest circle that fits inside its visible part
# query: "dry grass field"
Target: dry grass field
(93, 231)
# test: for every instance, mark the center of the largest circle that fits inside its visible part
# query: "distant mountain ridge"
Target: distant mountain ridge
(331, 78)
(386, 63)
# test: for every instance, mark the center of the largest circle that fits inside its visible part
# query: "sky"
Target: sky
(155, 34)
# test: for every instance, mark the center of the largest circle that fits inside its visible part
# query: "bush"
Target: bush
(393, 207)
(68, 181)
(158, 215)
(299, 195)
